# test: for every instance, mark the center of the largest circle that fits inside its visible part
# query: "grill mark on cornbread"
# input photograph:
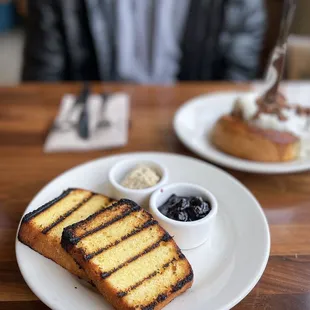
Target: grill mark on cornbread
(160, 298)
(182, 282)
(165, 238)
(119, 203)
(46, 206)
(69, 238)
(174, 288)
(79, 265)
(150, 276)
(181, 255)
(115, 219)
(110, 200)
(149, 223)
(68, 213)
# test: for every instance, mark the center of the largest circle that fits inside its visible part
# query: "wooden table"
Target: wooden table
(26, 113)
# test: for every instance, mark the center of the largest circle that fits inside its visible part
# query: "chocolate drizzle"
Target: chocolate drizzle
(302, 110)
(274, 108)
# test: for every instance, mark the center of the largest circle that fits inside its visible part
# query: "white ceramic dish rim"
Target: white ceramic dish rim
(134, 162)
(203, 221)
(234, 302)
(234, 162)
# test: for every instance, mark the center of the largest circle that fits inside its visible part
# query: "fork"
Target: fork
(277, 61)
(67, 124)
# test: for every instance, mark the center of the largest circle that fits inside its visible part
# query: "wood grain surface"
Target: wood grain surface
(27, 111)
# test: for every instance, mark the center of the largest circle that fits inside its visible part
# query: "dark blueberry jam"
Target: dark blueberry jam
(185, 209)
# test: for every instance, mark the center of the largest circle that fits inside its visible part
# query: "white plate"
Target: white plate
(225, 270)
(196, 118)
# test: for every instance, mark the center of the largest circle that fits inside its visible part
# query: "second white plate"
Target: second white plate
(194, 121)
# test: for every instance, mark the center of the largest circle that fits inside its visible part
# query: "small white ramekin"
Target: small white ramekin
(188, 235)
(140, 196)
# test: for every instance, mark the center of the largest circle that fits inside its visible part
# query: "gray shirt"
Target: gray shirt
(144, 38)
(139, 40)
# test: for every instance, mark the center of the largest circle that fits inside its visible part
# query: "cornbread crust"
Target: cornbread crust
(235, 137)
(175, 264)
(42, 238)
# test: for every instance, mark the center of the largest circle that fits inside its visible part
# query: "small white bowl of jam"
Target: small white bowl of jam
(137, 179)
(187, 211)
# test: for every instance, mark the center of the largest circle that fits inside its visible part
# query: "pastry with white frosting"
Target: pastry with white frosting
(265, 132)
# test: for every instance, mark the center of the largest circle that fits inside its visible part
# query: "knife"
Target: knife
(83, 126)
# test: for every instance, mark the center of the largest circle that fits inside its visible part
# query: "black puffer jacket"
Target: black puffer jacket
(222, 40)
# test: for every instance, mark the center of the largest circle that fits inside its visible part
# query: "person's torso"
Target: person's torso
(149, 41)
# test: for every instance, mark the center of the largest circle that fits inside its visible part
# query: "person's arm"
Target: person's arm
(246, 39)
(44, 56)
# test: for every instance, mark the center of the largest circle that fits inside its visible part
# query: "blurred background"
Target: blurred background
(13, 16)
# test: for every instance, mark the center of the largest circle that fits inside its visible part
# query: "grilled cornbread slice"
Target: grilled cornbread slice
(132, 260)
(41, 229)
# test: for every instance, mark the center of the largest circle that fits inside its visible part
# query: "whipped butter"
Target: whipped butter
(141, 177)
(293, 122)
(247, 106)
